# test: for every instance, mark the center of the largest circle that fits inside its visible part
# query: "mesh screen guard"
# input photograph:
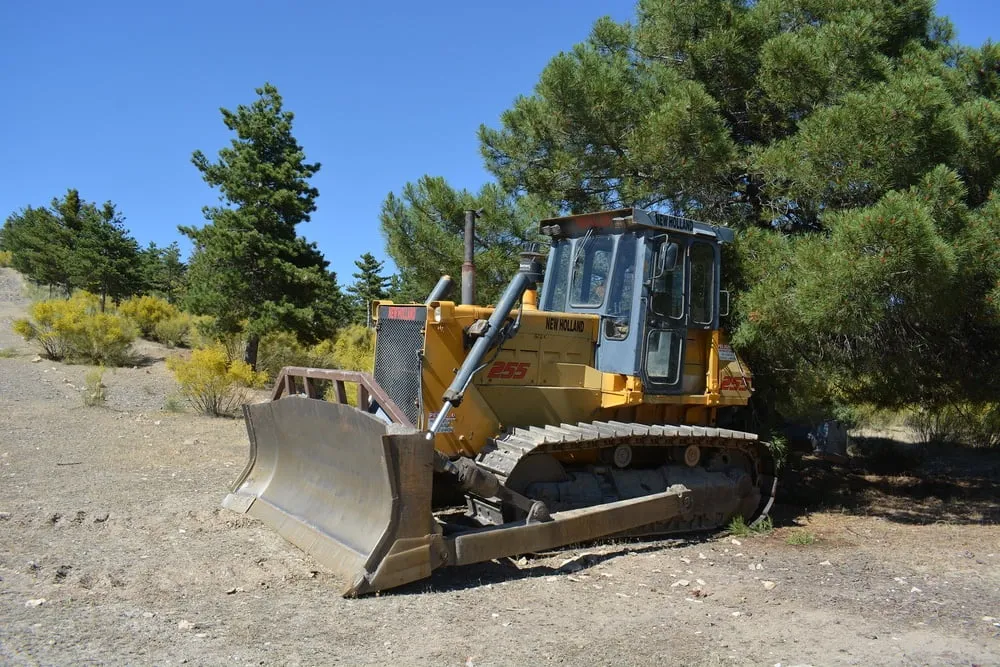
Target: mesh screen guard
(398, 340)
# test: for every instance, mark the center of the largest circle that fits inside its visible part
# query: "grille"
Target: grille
(397, 366)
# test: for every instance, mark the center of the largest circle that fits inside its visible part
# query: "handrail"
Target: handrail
(288, 384)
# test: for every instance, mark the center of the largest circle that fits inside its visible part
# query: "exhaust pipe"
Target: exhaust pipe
(468, 261)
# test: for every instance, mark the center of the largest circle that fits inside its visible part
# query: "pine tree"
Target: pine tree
(163, 271)
(853, 143)
(369, 285)
(424, 226)
(249, 267)
(105, 257)
(40, 246)
(75, 244)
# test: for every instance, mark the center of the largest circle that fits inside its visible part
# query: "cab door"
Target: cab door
(664, 341)
(682, 289)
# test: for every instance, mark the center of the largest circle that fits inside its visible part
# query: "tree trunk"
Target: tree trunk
(253, 342)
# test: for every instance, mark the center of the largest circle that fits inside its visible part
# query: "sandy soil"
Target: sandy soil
(114, 549)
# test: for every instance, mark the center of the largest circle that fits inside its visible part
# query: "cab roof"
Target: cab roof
(626, 218)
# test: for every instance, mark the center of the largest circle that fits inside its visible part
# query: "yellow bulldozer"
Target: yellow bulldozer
(595, 399)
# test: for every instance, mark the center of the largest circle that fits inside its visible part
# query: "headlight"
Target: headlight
(437, 314)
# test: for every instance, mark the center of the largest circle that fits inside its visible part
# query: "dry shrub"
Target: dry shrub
(94, 390)
(74, 329)
(174, 331)
(212, 383)
(6, 258)
(279, 349)
(147, 312)
(975, 424)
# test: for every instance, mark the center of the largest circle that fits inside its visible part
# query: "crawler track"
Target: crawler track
(729, 472)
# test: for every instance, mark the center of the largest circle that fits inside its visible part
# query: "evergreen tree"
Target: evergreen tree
(424, 228)
(75, 244)
(163, 271)
(854, 144)
(40, 246)
(369, 285)
(249, 267)
(105, 258)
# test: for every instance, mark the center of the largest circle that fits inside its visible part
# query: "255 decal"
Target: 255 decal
(508, 370)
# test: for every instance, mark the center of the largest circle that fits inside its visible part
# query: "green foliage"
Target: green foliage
(972, 424)
(855, 146)
(204, 332)
(738, 527)
(424, 228)
(369, 285)
(778, 447)
(94, 393)
(75, 244)
(352, 350)
(173, 403)
(105, 258)
(250, 269)
(175, 331)
(6, 259)
(672, 110)
(894, 300)
(800, 538)
(212, 383)
(74, 329)
(279, 349)
(163, 272)
(147, 312)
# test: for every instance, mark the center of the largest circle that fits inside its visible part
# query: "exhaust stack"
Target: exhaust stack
(468, 261)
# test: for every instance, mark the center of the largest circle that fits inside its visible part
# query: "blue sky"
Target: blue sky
(113, 97)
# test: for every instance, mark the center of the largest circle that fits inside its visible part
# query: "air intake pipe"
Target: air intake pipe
(441, 290)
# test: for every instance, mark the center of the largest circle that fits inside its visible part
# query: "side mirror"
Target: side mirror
(723, 302)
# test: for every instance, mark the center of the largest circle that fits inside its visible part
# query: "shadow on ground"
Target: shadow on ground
(897, 481)
(538, 565)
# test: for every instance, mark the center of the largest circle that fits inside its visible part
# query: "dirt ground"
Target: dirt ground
(114, 549)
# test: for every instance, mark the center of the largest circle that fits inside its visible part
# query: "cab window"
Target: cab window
(668, 286)
(556, 286)
(663, 356)
(619, 307)
(702, 283)
(591, 267)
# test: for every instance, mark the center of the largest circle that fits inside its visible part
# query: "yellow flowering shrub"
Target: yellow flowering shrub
(353, 349)
(75, 329)
(147, 312)
(212, 383)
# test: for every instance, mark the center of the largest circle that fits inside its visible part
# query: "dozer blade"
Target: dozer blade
(348, 489)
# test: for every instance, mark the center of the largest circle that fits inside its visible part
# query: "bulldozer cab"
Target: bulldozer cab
(651, 277)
